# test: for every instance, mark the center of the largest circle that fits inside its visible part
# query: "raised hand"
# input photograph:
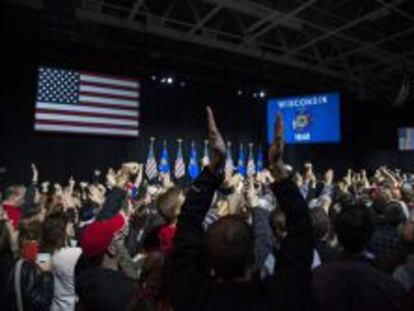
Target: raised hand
(35, 174)
(125, 173)
(250, 194)
(110, 178)
(216, 142)
(329, 176)
(130, 168)
(58, 189)
(96, 195)
(67, 200)
(71, 184)
(45, 187)
(275, 155)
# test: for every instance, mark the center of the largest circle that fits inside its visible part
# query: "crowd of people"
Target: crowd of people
(281, 239)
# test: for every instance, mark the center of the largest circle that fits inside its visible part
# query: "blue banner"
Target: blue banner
(307, 119)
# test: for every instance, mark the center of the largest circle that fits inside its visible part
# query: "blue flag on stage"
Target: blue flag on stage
(193, 168)
(259, 161)
(164, 161)
(241, 168)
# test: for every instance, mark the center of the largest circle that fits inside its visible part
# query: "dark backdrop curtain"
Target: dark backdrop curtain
(369, 129)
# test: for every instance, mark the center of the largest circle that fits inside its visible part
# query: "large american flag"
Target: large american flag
(86, 103)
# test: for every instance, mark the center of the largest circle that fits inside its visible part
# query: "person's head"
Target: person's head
(30, 234)
(98, 239)
(321, 223)
(230, 247)
(152, 269)
(354, 228)
(278, 223)
(383, 195)
(169, 204)
(30, 229)
(394, 214)
(54, 232)
(307, 171)
(155, 281)
(5, 239)
(14, 195)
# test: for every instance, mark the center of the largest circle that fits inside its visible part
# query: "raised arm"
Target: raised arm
(189, 267)
(116, 196)
(293, 272)
(29, 197)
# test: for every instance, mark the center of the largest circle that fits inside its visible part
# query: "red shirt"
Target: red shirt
(30, 250)
(166, 236)
(14, 214)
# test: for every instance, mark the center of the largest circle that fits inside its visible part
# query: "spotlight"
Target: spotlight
(163, 80)
(239, 92)
(255, 95)
(153, 78)
(262, 94)
(170, 80)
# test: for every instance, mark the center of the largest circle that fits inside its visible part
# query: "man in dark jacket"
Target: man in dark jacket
(36, 285)
(98, 282)
(352, 283)
(213, 271)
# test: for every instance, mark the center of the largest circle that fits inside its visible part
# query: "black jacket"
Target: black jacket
(101, 289)
(354, 285)
(36, 286)
(289, 289)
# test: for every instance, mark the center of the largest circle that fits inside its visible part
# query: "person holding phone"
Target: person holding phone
(34, 285)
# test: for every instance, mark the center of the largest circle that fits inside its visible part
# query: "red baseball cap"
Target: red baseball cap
(97, 236)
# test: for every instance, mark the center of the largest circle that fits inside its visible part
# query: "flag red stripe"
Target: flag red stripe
(103, 95)
(88, 124)
(108, 106)
(110, 76)
(87, 114)
(102, 84)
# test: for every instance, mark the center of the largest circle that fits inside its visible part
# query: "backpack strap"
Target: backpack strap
(17, 284)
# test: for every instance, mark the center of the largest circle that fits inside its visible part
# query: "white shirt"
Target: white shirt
(64, 261)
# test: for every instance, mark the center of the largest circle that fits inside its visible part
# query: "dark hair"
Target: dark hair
(230, 247)
(394, 214)
(154, 283)
(354, 227)
(54, 232)
(5, 247)
(321, 222)
(278, 222)
(29, 229)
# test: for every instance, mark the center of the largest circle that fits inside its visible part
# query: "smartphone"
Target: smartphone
(43, 258)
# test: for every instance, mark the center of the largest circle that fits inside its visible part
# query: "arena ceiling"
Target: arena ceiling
(359, 43)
